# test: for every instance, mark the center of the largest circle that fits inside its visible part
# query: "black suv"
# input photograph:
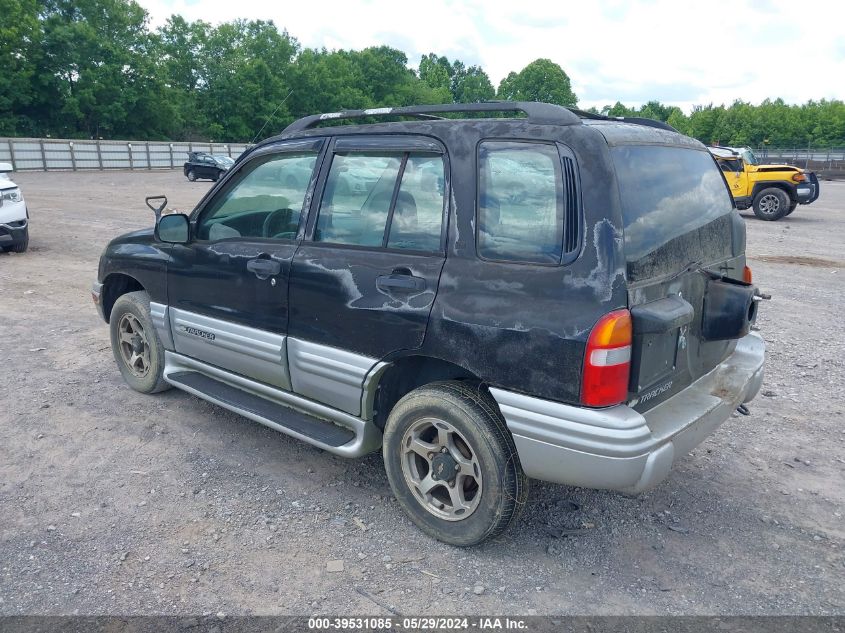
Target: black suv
(554, 295)
(210, 166)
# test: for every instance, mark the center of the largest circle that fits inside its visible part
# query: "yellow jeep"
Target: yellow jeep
(773, 191)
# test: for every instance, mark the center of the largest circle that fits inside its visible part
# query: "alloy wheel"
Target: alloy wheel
(134, 347)
(769, 204)
(442, 469)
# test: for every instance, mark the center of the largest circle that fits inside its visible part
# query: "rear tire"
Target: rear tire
(191, 175)
(21, 247)
(454, 430)
(137, 349)
(771, 204)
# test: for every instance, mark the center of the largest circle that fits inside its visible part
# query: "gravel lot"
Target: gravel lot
(120, 503)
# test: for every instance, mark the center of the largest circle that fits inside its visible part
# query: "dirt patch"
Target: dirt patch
(799, 260)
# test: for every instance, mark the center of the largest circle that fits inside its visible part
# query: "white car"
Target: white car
(14, 218)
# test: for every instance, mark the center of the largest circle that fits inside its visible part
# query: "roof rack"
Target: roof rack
(540, 113)
(636, 120)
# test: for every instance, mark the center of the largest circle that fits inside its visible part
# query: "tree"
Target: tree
(93, 68)
(471, 85)
(19, 46)
(541, 80)
(246, 74)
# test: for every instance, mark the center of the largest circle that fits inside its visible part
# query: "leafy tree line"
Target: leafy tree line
(772, 123)
(95, 69)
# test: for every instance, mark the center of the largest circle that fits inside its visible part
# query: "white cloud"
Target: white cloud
(678, 53)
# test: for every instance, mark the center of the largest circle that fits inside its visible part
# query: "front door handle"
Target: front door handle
(401, 280)
(263, 268)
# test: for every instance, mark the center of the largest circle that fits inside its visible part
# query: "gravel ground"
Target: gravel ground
(119, 503)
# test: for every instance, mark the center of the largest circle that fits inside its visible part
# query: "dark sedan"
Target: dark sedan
(202, 165)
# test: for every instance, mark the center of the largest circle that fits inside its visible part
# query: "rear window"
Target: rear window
(675, 209)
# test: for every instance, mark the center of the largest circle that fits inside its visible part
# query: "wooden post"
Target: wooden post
(99, 155)
(131, 161)
(12, 153)
(72, 156)
(171, 155)
(43, 154)
(149, 162)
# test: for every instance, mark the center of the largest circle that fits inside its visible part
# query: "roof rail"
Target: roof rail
(540, 113)
(630, 119)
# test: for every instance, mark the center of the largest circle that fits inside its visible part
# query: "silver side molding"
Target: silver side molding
(161, 323)
(328, 374)
(367, 438)
(244, 350)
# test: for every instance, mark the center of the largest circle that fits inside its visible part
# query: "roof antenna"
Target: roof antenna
(271, 116)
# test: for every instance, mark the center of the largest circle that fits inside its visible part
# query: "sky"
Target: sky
(679, 53)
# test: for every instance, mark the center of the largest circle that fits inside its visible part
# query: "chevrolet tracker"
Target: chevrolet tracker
(543, 293)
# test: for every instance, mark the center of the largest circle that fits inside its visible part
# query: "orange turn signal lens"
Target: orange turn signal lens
(607, 361)
(612, 330)
(746, 275)
(798, 177)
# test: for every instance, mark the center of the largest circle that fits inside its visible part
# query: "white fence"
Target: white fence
(47, 154)
(832, 156)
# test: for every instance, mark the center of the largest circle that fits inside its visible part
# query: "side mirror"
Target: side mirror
(174, 229)
(6, 167)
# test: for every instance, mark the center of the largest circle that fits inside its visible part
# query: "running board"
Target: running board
(334, 431)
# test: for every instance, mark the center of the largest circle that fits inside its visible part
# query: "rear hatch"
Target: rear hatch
(681, 234)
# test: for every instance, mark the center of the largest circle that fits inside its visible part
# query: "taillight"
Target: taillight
(746, 275)
(607, 362)
(798, 177)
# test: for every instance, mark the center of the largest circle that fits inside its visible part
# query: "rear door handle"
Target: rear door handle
(400, 279)
(263, 268)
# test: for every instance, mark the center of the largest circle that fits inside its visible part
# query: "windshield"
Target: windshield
(749, 157)
(675, 209)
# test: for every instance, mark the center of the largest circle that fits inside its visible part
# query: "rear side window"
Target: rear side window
(675, 209)
(521, 202)
(392, 200)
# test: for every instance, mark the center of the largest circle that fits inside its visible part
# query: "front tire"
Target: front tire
(137, 349)
(792, 207)
(452, 463)
(191, 175)
(771, 204)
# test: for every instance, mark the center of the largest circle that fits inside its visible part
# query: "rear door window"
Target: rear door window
(675, 209)
(383, 199)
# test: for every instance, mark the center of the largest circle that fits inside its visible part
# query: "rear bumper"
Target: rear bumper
(618, 448)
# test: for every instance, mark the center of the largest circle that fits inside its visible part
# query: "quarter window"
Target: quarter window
(520, 206)
(362, 206)
(265, 200)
